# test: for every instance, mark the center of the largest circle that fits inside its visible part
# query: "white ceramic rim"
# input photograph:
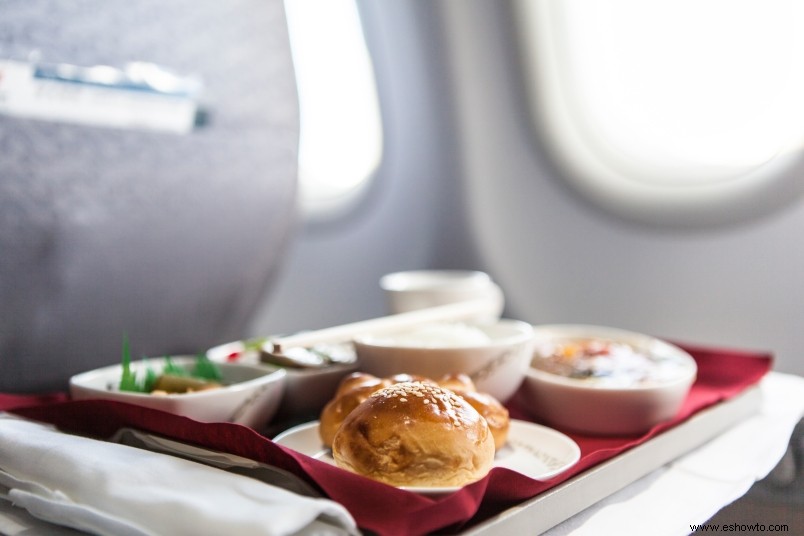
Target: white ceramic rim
(267, 375)
(520, 430)
(521, 332)
(613, 334)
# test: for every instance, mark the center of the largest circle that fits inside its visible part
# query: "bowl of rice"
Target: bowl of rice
(495, 356)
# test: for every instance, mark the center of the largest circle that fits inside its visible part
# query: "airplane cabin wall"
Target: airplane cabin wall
(465, 182)
(561, 260)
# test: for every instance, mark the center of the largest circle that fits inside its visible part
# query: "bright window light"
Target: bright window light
(670, 101)
(341, 131)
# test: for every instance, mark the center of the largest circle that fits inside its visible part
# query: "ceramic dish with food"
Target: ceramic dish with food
(424, 435)
(533, 450)
(495, 356)
(244, 394)
(306, 390)
(605, 381)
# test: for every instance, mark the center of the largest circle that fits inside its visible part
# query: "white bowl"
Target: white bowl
(306, 391)
(497, 366)
(419, 289)
(250, 395)
(622, 404)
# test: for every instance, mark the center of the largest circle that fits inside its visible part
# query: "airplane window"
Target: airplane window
(670, 111)
(340, 142)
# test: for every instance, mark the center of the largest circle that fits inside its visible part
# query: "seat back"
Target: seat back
(169, 238)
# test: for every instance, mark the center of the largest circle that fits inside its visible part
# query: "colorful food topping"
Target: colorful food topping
(611, 363)
(248, 345)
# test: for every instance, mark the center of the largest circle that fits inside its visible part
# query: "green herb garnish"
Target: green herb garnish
(173, 368)
(150, 380)
(128, 380)
(204, 369)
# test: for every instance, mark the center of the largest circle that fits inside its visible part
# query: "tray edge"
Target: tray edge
(554, 506)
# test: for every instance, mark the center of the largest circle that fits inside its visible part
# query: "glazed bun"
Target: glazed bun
(415, 434)
(352, 390)
(457, 382)
(358, 386)
(490, 408)
(406, 378)
(359, 379)
(493, 411)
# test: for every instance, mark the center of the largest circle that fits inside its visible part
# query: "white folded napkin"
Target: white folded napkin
(106, 488)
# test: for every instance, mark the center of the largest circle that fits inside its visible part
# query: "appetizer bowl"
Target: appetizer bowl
(306, 390)
(248, 395)
(604, 381)
(495, 356)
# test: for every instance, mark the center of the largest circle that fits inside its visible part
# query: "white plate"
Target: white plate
(533, 450)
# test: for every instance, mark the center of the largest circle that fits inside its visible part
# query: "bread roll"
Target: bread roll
(457, 382)
(356, 387)
(339, 407)
(359, 379)
(489, 407)
(493, 411)
(405, 378)
(415, 434)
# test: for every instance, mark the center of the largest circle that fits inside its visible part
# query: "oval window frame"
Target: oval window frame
(752, 193)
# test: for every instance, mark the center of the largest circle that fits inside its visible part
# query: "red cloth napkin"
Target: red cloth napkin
(376, 507)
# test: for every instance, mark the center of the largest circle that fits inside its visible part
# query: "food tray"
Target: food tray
(558, 504)
(504, 502)
(540, 513)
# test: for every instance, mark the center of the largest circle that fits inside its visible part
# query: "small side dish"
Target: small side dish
(495, 356)
(605, 381)
(203, 375)
(306, 389)
(243, 394)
